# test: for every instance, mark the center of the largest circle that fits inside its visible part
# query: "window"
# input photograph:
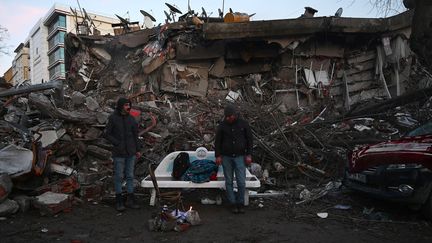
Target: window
(56, 56)
(56, 39)
(59, 22)
(58, 71)
(62, 21)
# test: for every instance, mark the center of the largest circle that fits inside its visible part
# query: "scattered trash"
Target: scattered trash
(322, 215)
(370, 214)
(342, 207)
(305, 194)
(268, 193)
(256, 169)
(406, 120)
(181, 227)
(299, 101)
(192, 217)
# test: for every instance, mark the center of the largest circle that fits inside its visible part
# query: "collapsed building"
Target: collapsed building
(297, 81)
(299, 60)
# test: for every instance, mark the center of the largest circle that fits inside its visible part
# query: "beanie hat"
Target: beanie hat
(230, 109)
(120, 103)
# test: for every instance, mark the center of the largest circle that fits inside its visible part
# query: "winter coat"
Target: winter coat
(233, 139)
(122, 132)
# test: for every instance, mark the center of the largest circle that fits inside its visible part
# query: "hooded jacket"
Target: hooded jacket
(122, 132)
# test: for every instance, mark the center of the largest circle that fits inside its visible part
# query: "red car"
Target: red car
(398, 170)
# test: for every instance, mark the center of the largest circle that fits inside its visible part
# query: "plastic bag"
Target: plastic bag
(193, 217)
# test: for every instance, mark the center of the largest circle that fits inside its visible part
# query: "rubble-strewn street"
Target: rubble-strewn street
(279, 220)
(340, 111)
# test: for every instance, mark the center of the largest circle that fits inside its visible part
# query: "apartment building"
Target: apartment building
(45, 42)
(8, 76)
(21, 64)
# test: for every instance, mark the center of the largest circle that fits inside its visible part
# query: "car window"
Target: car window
(422, 130)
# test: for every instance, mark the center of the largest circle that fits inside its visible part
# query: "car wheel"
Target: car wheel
(427, 208)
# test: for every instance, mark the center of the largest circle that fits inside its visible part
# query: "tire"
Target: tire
(427, 208)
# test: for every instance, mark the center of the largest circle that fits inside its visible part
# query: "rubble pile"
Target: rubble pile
(309, 96)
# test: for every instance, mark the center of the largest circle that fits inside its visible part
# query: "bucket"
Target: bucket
(236, 17)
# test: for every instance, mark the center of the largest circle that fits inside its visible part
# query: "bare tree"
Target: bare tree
(4, 34)
(421, 34)
(386, 7)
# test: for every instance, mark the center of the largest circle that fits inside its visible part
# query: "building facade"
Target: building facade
(46, 40)
(8, 76)
(21, 64)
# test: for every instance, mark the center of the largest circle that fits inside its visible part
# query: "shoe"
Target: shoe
(207, 201)
(130, 201)
(234, 209)
(119, 203)
(218, 200)
(240, 208)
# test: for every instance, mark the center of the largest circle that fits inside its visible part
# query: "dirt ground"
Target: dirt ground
(278, 220)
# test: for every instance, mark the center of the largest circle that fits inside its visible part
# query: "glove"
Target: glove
(218, 160)
(248, 159)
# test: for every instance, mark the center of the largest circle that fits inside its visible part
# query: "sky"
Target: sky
(19, 16)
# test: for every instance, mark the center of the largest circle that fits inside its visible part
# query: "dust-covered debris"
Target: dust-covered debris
(310, 94)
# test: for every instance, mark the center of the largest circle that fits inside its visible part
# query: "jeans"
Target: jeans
(230, 166)
(124, 167)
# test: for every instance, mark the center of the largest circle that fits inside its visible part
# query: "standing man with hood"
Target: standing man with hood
(233, 149)
(122, 132)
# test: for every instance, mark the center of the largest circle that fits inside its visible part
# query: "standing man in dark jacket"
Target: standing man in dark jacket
(233, 149)
(122, 132)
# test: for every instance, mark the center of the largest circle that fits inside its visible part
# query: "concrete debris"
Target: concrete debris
(91, 104)
(101, 54)
(48, 137)
(78, 98)
(311, 88)
(24, 202)
(51, 203)
(8, 207)
(5, 186)
(15, 161)
(61, 169)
